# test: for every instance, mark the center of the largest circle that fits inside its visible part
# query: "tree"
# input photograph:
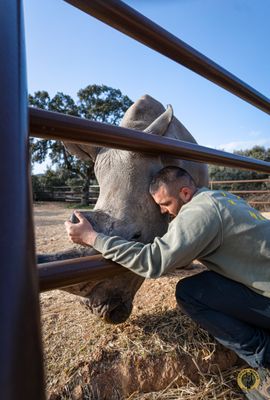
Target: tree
(219, 173)
(98, 103)
(102, 104)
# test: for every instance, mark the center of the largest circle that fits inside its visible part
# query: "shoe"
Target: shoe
(255, 384)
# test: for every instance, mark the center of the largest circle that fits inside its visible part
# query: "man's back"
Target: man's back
(244, 250)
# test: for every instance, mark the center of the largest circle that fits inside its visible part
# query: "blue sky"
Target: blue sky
(67, 50)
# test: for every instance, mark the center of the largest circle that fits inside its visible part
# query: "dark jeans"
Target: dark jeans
(236, 316)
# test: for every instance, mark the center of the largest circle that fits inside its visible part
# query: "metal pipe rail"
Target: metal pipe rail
(59, 274)
(51, 125)
(129, 21)
(21, 371)
(241, 181)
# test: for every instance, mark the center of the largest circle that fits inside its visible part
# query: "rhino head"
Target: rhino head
(125, 207)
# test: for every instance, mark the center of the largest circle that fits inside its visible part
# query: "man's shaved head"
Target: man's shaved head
(172, 178)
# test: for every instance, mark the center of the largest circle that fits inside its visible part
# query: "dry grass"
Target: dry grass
(74, 339)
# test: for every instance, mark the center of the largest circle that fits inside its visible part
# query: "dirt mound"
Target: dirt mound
(144, 357)
(158, 351)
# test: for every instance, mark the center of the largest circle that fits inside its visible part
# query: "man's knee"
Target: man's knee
(190, 290)
(184, 289)
(188, 287)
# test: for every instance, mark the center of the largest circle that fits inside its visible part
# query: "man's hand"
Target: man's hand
(81, 232)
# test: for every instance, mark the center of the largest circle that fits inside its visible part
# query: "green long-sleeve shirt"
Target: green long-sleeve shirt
(217, 228)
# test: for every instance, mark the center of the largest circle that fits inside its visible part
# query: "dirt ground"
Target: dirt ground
(159, 353)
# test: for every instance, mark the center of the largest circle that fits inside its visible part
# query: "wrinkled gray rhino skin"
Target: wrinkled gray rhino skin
(124, 206)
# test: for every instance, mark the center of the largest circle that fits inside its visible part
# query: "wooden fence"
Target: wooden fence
(65, 193)
(74, 194)
(253, 197)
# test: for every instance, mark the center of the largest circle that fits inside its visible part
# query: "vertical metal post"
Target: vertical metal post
(21, 371)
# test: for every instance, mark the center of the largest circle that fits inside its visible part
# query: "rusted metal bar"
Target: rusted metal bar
(60, 274)
(241, 181)
(50, 125)
(129, 21)
(21, 372)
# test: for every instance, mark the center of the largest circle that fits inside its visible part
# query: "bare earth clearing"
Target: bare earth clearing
(159, 353)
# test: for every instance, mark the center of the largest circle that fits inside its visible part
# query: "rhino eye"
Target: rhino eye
(136, 236)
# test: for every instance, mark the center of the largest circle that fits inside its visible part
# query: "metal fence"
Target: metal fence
(21, 371)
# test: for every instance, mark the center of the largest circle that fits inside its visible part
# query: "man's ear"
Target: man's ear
(185, 194)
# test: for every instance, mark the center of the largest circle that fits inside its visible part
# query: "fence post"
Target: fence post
(21, 371)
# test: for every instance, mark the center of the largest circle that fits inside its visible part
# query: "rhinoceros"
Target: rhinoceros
(124, 206)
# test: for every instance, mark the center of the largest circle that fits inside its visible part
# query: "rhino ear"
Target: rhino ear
(160, 125)
(83, 151)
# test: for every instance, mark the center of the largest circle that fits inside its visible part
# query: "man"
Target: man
(232, 299)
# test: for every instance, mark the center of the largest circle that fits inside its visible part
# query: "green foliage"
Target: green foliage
(52, 178)
(36, 184)
(98, 103)
(102, 104)
(43, 184)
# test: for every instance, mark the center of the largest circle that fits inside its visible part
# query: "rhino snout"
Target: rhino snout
(114, 311)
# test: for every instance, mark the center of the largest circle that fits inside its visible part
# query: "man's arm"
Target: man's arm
(194, 232)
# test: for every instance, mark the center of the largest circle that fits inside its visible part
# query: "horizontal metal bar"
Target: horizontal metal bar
(59, 274)
(129, 21)
(50, 125)
(241, 181)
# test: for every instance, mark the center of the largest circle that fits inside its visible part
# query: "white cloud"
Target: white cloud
(254, 134)
(42, 168)
(39, 168)
(243, 144)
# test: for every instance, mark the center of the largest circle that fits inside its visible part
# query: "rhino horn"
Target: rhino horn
(161, 124)
(82, 151)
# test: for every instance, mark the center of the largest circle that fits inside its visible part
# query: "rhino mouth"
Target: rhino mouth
(115, 311)
(119, 314)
